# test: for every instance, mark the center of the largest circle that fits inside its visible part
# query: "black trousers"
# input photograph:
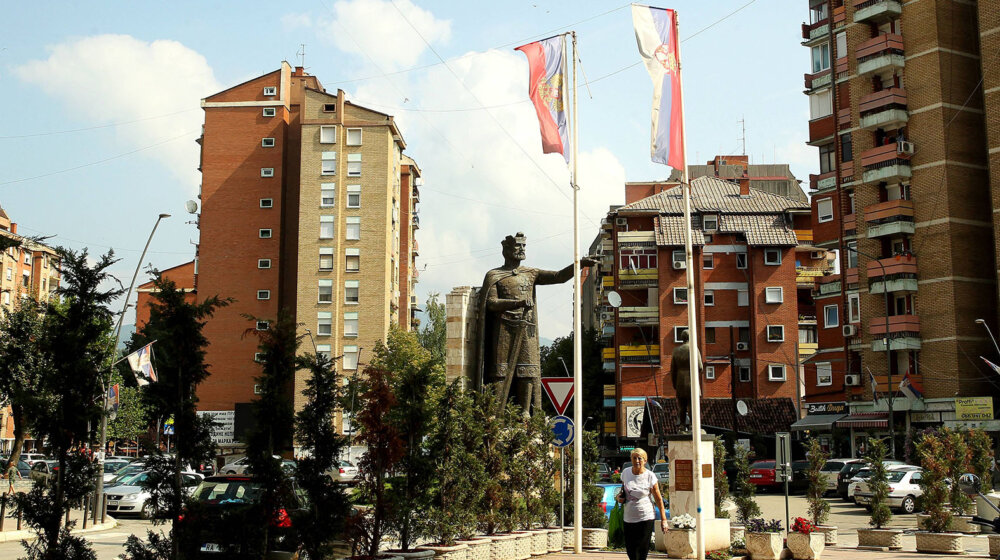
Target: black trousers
(637, 537)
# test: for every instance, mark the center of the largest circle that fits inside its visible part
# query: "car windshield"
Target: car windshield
(113, 467)
(133, 479)
(864, 473)
(661, 467)
(602, 468)
(228, 492)
(833, 466)
(896, 476)
(763, 465)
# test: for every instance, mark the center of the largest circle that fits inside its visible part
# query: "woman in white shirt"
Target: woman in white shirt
(638, 484)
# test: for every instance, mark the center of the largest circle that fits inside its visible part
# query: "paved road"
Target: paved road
(108, 544)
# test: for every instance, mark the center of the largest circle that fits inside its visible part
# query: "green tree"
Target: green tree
(878, 483)
(721, 480)
(959, 462)
(131, 422)
(819, 508)
(746, 506)
(434, 336)
(981, 458)
(535, 485)
(498, 419)
(931, 451)
(23, 362)
(593, 514)
(593, 372)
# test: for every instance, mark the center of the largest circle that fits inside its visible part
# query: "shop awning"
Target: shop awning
(865, 420)
(817, 422)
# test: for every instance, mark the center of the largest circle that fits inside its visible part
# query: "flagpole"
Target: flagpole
(577, 343)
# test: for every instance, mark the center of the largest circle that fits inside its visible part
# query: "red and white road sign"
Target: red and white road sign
(560, 392)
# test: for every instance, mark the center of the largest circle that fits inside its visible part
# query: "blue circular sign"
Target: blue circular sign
(563, 431)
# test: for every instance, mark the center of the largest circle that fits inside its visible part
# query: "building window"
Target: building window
(263, 263)
(326, 291)
(678, 256)
(820, 104)
(677, 333)
(351, 291)
(708, 238)
(709, 297)
(327, 195)
(329, 107)
(262, 325)
(328, 134)
(326, 258)
(708, 261)
(744, 374)
(854, 308)
(267, 203)
(354, 196)
(10, 273)
(267, 172)
(710, 222)
(264, 233)
(353, 228)
(326, 224)
(329, 163)
(350, 325)
(774, 295)
(846, 147)
(772, 257)
(267, 142)
(775, 372)
(258, 357)
(824, 374)
(681, 296)
(827, 157)
(353, 260)
(263, 294)
(353, 165)
(709, 335)
(742, 297)
(324, 350)
(852, 254)
(775, 333)
(741, 260)
(350, 359)
(269, 111)
(824, 210)
(820, 57)
(743, 334)
(271, 91)
(324, 323)
(709, 372)
(257, 389)
(353, 136)
(831, 317)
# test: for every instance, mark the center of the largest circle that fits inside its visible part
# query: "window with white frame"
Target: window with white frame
(326, 227)
(354, 196)
(264, 233)
(775, 333)
(708, 261)
(775, 372)
(710, 222)
(353, 165)
(324, 350)
(824, 210)
(324, 323)
(263, 263)
(269, 111)
(820, 104)
(262, 325)
(329, 164)
(267, 172)
(854, 308)
(271, 91)
(824, 374)
(352, 291)
(744, 372)
(708, 238)
(6, 298)
(742, 297)
(741, 260)
(350, 325)
(10, 273)
(709, 297)
(820, 58)
(680, 295)
(831, 316)
(774, 294)
(267, 142)
(709, 372)
(327, 195)
(677, 333)
(263, 294)
(353, 228)
(352, 260)
(353, 136)
(258, 357)
(267, 203)
(328, 134)
(326, 258)
(350, 359)
(257, 389)
(772, 257)
(325, 291)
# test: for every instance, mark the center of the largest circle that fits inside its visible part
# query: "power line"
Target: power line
(96, 127)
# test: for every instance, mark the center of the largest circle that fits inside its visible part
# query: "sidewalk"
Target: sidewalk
(10, 532)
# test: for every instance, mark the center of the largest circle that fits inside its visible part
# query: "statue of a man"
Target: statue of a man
(680, 376)
(507, 345)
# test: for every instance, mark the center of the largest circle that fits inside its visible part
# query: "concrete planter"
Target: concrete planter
(737, 532)
(829, 533)
(595, 538)
(765, 546)
(994, 545)
(479, 548)
(958, 523)
(539, 542)
(456, 552)
(555, 539)
(881, 538)
(939, 543)
(503, 547)
(680, 543)
(412, 554)
(522, 545)
(568, 533)
(806, 546)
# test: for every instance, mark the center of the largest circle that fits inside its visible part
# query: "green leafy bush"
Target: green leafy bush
(721, 480)
(878, 484)
(746, 506)
(819, 508)
(931, 450)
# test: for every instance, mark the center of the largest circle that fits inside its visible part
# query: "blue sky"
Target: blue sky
(102, 110)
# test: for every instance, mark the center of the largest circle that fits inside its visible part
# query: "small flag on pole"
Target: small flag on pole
(142, 366)
(995, 367)
(547, 89)
(113, 397)
(874, 383)
(908, 388)
(656, 34)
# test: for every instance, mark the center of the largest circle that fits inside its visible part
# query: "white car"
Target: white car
(904, 489)
(863, 474)
(344, 472)
(238, 466)
(831, 469)
(111, 468)
(131, 497)
(32, 458)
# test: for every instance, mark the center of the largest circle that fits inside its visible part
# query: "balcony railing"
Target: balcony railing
(876, 10)
(850, 224)
(803, 235)
(839, 16)
(819, 79)
(880, 54)
(883, 109)
(823, 181)
(648, 315)
(889, 218)
(847, 170)
(828, 285)
(904, 332)
(640, 278)
(821, 129)
(636, 238)
(895, 274)
(889, 163)
(608, 354)
(842, 65)
(816, 30)
(639, 353)
(844, 116)
(851, 276)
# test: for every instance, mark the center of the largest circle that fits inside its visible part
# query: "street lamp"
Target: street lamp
(985, 326)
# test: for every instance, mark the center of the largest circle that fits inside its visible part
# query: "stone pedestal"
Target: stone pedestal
(680, 453)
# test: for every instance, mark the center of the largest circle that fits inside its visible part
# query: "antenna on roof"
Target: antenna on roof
(302, 55)
(743, 138)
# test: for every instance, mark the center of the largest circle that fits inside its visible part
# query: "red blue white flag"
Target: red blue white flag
(142, 365)
(656, 34)
(910, 389)
(547, 89)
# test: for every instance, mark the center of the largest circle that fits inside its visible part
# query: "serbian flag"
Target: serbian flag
(908, 388)
(547, 89)
(142, 366)
(656, 34)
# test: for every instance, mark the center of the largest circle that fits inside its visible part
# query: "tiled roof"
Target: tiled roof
(710, 194)
(765, 416)
(759, 229)
(670, 232)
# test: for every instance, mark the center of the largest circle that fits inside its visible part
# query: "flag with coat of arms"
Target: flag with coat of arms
(142, 365)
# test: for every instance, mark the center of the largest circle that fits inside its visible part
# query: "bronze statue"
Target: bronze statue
(680, 376)
(507, 345)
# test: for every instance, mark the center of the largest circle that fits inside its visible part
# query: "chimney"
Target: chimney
(744, 185)
(299, 71)
(13, 227)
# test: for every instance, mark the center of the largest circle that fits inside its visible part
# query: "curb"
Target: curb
(27, 534)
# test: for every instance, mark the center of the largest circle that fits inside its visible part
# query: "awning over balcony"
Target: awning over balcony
(865, 420)
(817, 422)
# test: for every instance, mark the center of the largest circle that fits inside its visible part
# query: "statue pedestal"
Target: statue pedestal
(680, 453)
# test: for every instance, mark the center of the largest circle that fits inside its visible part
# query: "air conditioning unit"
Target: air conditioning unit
(850, 330)
(742, 345)
(904, 147)
(621, 221)
(852, 380)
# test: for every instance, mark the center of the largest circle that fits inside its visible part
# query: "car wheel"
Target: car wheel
(909, 505)
(147, 510)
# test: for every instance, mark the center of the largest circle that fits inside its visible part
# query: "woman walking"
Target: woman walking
(638, 483)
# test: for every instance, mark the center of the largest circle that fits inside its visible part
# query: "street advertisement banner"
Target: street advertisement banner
(973, 408)
(223, 425)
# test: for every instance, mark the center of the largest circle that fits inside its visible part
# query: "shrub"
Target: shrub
(758, 525)
(958, 461)
(593, 515)
(930, 451)
(878, 484)
(819, 509)
(721, 480)
(724, 554)
(746, 507)
(981, 453)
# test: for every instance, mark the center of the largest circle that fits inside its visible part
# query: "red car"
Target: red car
(762, 475)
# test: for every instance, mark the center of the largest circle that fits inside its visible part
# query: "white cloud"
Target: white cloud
(117, 78)
(291, 22)
(377, 29)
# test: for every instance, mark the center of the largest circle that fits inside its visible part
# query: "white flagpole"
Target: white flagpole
(577, 343)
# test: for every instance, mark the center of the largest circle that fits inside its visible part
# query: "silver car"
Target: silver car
(344, 472)
(130, 496)
(662, 472)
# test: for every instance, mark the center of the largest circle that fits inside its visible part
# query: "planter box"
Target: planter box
(737, 532)
(479, 548)
(883, 538)
(680, 543)
(456, 552)
(595, 538)
(568, 533)
(939, 543)
(539, 542)
(412, 554)
(829, 534)
(765, 546)
(555, 539)
(502, 547)
(994, 545)
(806, 546)
(522, 545)
(958, 523)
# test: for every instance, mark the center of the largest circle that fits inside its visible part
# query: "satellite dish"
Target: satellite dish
(741, 407)
(191, 206)
(614, 299)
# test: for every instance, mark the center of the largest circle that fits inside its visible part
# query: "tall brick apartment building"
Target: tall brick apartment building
(906, 146)
(308, 205)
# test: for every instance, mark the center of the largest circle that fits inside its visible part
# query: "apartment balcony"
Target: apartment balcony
(821, 130)
(823, 181)
(416, 248)
(639, 353)
(817, 80)
(883, 109)
(839, 16)
(851, 276)
(889, 163)
(875, 11)
(847, 169)
(843, 67)
(640, 278)
(416, 221)
(803, 235)
(828, 285)
(648, 315)
(843, 117)
(889, 218)
(636, 239)
(895, 274)
(880, 55)
(851, 224)
(815, 32)
(607, 246)
(807, 349)
(807, 275)
(608, 357)
(904, 332)
(608, 281)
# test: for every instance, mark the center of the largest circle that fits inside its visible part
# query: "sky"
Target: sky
(102, 112)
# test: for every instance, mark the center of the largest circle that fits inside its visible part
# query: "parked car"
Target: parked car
(762, 475)
(832, 468)
(23, 468)
(111, 468)
(800, 481)
(608, 500)
(904, 489)
(31, 458)
(603, 472)
(131, 496)
(238, 466)
(44, 470)
(344, 472)
(662, 472)
(863, 474)
(205, 469)
(125, 458)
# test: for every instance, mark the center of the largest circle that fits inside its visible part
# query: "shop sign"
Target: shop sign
(973, 408)
(222, 425)
(985, 425)
(828, 408)
(633, 420)
(925, 417)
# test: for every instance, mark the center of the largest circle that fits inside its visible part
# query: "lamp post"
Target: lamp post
(987, 327)
(98, 494)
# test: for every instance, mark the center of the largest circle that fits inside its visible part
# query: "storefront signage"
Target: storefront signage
(985, 425)
(926, 417)
(222, 425)
(973, 408)
(633, 421)
(828, 408)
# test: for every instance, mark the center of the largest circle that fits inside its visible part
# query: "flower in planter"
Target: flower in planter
(802, 525)
(758, 525)
(684, 521)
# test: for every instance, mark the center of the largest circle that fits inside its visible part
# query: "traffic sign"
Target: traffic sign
(563, 431)
(560, 392)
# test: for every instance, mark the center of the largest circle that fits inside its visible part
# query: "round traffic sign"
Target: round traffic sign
(563, 431)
